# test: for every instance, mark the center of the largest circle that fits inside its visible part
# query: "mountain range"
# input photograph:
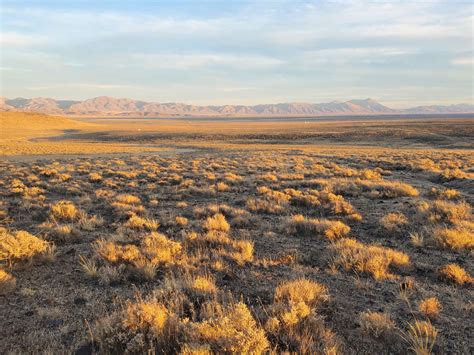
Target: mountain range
(109, 106)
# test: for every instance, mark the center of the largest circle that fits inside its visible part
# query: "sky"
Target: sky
(401, 53)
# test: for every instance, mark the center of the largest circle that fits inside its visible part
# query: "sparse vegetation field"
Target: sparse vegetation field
(238, 243)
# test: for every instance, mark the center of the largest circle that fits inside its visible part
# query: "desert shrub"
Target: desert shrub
(127, 204)
(394, 223)
(21, 246)
(457, 238)
(421, 337)
(7, 282)
(155, 250)
(216, 223)
(444, 194)
(232, 330)
(387, 189)
(294, 323)
(242, 251)
(430, 307)
(440, 211)
(455, 274)
(265, 205)
(181, 221)
(64, 211)
(95, 177)
(301, 290)
(368, 259)
(376, 323)
(452, 174)
(202, 285)
(299, 225)
(138, 223)
(221, 186)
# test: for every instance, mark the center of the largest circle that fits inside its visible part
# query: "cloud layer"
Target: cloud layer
(399, 52)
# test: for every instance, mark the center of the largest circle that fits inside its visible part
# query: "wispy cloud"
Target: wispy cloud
(282, 49)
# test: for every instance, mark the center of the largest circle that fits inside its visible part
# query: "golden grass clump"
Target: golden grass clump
(233, 330)
(457, 238)
(95, 177)
(376, 323)
(394, 223)
(64, 211)
(430, 307)
(421, 337)
(7, 282)
(203, 285)
(455, 274)
(138, 223)
(145, 315)
(368, 259)
(301, 290)
(299, 225)
(21, 246)
(445, 194)
(440, 211)
(155, 249)
(216, 223)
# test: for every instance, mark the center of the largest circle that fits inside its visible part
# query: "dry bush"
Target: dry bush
(231, 330)
(21, 246)
(221, 186)
(457, 238)
(387, 189)
(181, 221)
(452, 174)
(394, 223)
(444, 194)
(160, 324)
(7, 282)
(202, 285)
(243, 251)
(455, 274)
(265, 205)
(301, 290)
(95, 177)
(140, 223)
(126, 204)
(64, 211)
(294, 324)
(445, 212)
(366, 258)
(430, 307)
(421, 337)
(376, 323)
(299, 225)
(216, 223)
(155, 250)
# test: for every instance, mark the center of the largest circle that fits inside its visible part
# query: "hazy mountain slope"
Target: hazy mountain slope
(109, 106)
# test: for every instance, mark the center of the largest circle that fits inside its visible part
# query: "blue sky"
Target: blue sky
(403, 53)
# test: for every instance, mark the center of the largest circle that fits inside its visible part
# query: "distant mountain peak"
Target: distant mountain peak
(110, 106)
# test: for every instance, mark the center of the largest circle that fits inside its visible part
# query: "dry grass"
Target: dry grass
(430, 307)
(217, 222)
(376, 323)
(455, 274)
(7, 282)
(368, 259)
(421, 337)
(21, 246)
(300, 226)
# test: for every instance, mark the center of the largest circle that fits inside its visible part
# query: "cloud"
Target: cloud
(8, 39)
(193, 61)
(463, 61)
